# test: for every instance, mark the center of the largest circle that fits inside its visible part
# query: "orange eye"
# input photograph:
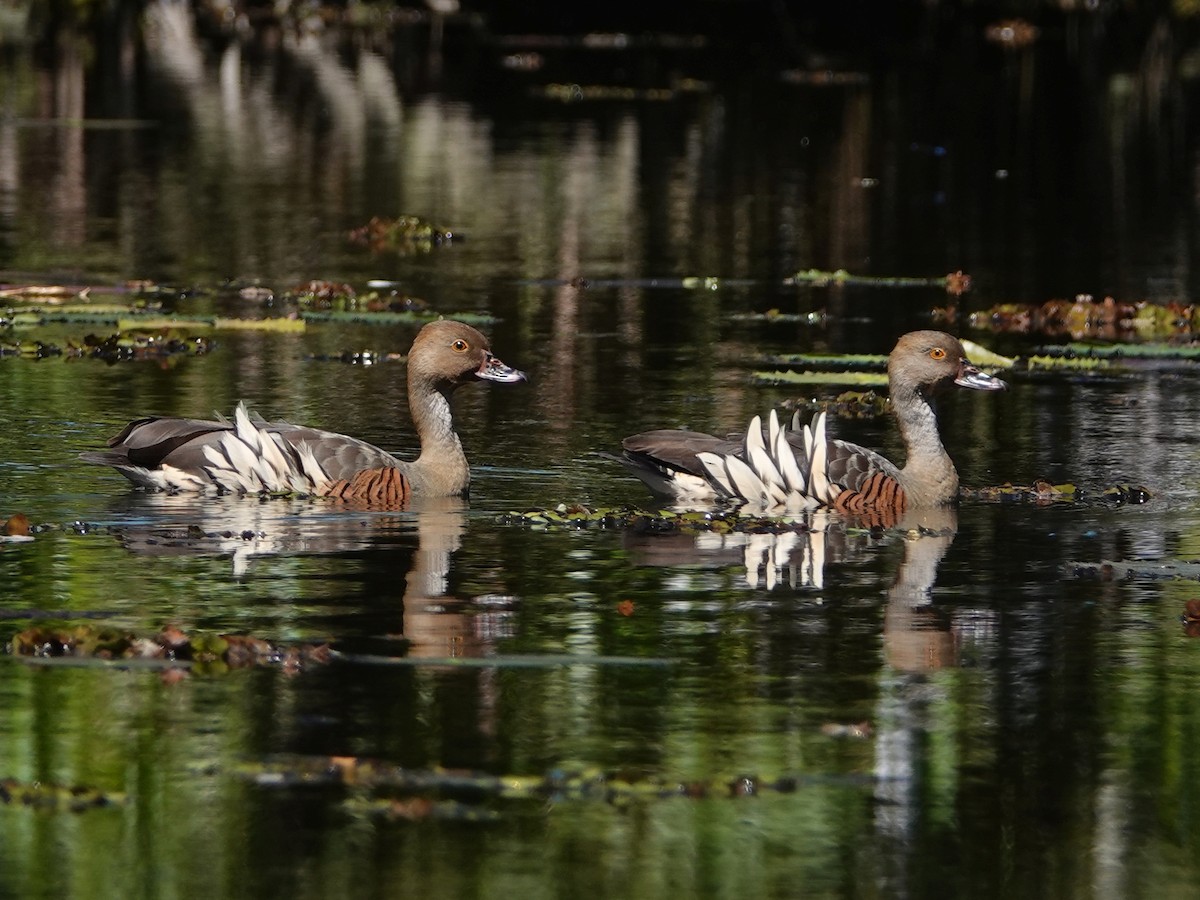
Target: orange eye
(460, 346)
(937, 353)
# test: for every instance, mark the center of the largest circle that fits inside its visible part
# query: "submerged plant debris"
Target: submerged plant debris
(57, 797)
(209, 653)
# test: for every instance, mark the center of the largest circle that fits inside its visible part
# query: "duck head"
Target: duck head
(449, 354)
(929, 360)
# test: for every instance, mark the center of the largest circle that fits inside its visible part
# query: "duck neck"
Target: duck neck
(441, 466)
(928, 476)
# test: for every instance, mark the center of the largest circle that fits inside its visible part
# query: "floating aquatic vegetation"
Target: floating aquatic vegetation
(328, 296)
(321, 293)
(558, 785)
(210, 653)
(774, 315)
(366, 316)
(718, 519)
(403, 235)
(1043, 491)
(857, 405)
(63, 798)
(1103, 352)
(1050, 361)
(828, 360)
(141, 318)
(359, 357)
(982, 356)
(281, 324)
(113, 348)
(43, 293)
(955, 283)
(1084, 317)
(61, 294)
(821, 377)
(256, 294)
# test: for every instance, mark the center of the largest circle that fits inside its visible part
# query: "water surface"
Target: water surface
(967, 710)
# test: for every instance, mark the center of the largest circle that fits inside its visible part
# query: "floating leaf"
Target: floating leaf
(1130, 351)
(393, 318)
(955, 283)
(827, 360)
(278, 324)
(1072, 363)
(845, 377)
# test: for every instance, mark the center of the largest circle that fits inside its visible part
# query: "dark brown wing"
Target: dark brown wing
(656, 457)
(148, 442)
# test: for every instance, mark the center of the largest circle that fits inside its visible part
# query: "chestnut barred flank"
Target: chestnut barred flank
(879, 493)
(386, 488)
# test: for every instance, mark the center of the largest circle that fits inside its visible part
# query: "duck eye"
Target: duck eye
(937, 353)
(460, 346)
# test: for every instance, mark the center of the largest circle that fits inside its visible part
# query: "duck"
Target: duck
(250, 455)
(799, 467)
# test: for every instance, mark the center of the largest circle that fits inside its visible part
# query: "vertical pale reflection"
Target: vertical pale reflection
(683, 183)
(1110, 845)
(10, 172)
(68, 190)
(247, 147)
(849, 213)
(915, 644)
(342, 99)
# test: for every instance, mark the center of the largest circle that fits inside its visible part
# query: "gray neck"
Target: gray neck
(442, 465)
(928, 476)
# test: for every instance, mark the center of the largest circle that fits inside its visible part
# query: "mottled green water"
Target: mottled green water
(961, 715)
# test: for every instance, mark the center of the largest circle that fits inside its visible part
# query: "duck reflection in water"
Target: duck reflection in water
(431, 529)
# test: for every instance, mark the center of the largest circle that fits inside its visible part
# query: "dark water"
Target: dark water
(918, 715)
